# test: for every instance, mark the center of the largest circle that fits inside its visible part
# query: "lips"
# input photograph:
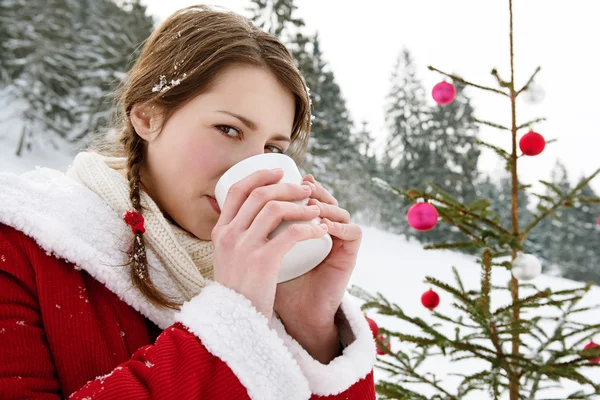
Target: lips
(214, 204)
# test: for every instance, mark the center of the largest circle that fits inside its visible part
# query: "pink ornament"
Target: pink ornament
(443, 93)
(422, 216)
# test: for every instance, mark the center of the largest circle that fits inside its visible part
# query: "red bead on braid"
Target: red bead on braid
(135, 220)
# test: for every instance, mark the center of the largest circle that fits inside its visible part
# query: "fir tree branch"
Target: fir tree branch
(454, 245)
(501, 152)
(521, 303)
(557, 204)
(492, 124)
(501, 82)
(459, 79)
(460, 208)
(556, 336)
(552, 187)
(458, 279)
(461, 228)
(392, 389)
(589, 200)
(421, 378)
(534, 121)
(526, 86)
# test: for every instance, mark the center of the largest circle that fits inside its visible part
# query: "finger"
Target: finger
(346, 232)
(293, 234)
(319, 192)
(239, 192)
(275, 212)
(334, 213)
(262, 196)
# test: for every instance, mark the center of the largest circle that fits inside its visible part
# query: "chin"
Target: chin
(203, 229)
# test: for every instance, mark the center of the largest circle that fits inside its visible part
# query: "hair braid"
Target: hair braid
(139, 262)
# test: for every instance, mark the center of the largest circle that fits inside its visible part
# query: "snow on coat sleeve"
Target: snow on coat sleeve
(349, 375)
(220, 348)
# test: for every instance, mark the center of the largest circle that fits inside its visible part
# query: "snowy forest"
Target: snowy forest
(61, 60)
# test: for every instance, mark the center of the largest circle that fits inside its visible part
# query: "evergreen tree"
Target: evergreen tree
(111, 36)
(568, 242)
(453, 154)
(584, 239)
(405, 116)
(548, 238)
(334, 156)
(42, 58)
(370, 203)
(277, 18)
(426, 144)
(63, 60)
(517, 350)
(5, 49)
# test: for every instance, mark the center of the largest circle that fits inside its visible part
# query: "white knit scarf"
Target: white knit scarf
(186, 259)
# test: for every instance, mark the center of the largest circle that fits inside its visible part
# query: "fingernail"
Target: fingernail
(306, 188)
(277, 170)
(312, 185)
(324, 226)
(314, 207)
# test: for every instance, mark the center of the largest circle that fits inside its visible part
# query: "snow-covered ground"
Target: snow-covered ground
(387, 263)
(42, 154)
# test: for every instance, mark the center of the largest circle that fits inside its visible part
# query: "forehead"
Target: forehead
(253, 92)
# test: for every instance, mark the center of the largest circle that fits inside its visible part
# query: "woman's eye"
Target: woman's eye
(276, 149)
(228, 131)
(234, 133)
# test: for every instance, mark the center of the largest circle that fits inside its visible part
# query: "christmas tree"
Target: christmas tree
(518, 355)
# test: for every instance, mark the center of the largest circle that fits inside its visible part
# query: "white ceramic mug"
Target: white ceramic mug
(305, 255)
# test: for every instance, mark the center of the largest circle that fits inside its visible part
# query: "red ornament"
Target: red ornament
(386, 342)
(373, 326)
(598, 222)
(592, 345)
(430, 299)
(135, 220)
(422, 216)
(443, 93)
(532, 143)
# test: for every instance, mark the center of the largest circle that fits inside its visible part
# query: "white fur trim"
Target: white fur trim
(356, 362)
(73, 223)
(234, 331)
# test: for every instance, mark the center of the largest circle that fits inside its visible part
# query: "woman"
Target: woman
(124, 279)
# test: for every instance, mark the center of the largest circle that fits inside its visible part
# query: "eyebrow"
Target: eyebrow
(252, 125)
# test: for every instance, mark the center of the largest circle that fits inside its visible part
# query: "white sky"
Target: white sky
(467, 37)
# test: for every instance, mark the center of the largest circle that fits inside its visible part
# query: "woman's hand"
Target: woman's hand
(308, 304)
(245, 260)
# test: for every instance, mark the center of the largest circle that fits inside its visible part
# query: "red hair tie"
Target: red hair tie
(135, 220)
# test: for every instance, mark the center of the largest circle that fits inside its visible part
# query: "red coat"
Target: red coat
(76, 328)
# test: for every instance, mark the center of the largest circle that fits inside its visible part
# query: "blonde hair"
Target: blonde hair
(179, 61)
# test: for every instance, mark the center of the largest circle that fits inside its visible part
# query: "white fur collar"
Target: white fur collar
(73, 223)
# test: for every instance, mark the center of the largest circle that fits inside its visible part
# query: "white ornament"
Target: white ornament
(534, 94)
(526, 267)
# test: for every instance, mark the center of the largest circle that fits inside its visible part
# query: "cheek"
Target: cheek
(202, 157)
